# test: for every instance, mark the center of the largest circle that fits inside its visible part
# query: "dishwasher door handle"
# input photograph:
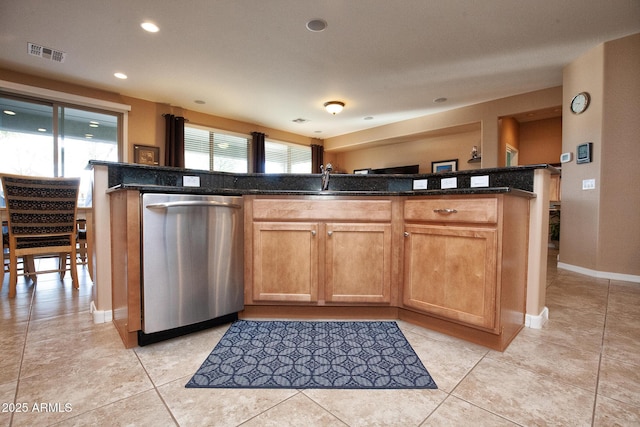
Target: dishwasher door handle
(191, 203)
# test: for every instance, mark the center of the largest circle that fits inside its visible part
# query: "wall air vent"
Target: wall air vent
(46, 52)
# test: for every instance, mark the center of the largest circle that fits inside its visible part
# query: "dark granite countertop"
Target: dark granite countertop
(515, 180)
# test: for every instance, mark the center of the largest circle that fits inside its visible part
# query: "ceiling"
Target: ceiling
(255, 60)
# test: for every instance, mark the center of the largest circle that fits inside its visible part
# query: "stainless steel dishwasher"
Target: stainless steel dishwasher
(192, 263)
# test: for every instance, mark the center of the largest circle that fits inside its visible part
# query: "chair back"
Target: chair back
(41, 211)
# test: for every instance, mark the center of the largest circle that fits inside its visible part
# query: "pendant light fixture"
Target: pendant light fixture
(334, 107)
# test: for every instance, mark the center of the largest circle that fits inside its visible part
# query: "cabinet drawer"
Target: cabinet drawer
(480, 210)
(319, 210)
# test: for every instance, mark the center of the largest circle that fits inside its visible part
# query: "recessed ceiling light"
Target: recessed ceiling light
(199, 101)
(88, 135)
(42, 130)
(120, 75)
(150, 27)
(439, 100)
(368, 118)
(9, 112)
(316, 25)
(299, 120)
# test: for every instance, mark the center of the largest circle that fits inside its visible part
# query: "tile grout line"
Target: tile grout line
(604, 328)
(24, 348)
(486, 355)
(155, 388)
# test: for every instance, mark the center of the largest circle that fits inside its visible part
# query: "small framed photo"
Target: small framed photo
(444, 166)
(146, 155)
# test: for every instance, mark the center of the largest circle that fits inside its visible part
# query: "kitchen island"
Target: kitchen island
(458, 260)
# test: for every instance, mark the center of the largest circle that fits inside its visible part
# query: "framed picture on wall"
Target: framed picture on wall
(444, 166)
(146, 155)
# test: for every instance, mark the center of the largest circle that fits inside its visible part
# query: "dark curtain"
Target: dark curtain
(174, 141)
(317, 158)
(257, 146)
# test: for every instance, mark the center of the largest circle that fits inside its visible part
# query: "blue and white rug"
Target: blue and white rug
(291, 354)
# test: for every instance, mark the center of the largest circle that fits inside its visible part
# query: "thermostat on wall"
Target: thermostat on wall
(565, 157)
(584, 152)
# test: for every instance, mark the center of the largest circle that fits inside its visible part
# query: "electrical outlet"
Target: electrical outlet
(446, 183)
(419, 184)
(191, 181)
(588, 184)
(480, 181)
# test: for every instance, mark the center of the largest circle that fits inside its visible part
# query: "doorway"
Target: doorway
(511, 158)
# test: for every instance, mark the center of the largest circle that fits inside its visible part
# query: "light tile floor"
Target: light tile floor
(582, 368)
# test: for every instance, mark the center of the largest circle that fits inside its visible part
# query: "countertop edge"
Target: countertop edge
(146, 188)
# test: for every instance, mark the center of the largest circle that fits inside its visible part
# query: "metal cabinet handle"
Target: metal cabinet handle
(445, 211)
(313, 232)
(330, 233)
(190, 203)
(406, 234)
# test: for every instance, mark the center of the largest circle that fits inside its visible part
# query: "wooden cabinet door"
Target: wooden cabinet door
(358, 263)
(285, 261)
(450, 271)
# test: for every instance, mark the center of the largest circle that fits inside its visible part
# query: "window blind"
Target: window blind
(282, 157)
(215, 151)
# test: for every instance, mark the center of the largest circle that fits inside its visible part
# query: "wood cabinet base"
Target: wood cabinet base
(495, 342)
(318, 312)
(487, 339)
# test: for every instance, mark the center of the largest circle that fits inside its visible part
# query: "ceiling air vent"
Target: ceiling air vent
(46, 52)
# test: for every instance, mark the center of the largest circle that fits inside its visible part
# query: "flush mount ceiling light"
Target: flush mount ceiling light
(121, 76)
(150, 27)
(334, 107)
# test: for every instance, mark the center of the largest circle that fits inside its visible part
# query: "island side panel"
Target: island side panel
(125, 265)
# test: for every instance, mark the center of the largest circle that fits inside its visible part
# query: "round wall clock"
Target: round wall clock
(580, 103)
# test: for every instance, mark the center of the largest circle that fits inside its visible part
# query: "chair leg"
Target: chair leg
(62, 265)
(29, 265)
(82, 251)
(13, 274)
(74, 269)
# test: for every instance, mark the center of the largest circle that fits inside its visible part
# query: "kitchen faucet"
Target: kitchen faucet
(325, 175)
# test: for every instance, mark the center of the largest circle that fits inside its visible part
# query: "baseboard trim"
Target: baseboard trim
(100, 316)
(536, 322)
(600, 274)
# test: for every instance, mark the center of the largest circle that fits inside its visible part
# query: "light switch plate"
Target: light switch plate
(419, 184)
(448, 183)
(588, 184)
(480, 181)
(191, 181)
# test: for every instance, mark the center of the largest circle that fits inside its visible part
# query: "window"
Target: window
(213, 150)
(39, 137)
(283, 157)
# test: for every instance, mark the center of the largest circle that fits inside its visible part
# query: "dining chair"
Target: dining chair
(41, 220)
